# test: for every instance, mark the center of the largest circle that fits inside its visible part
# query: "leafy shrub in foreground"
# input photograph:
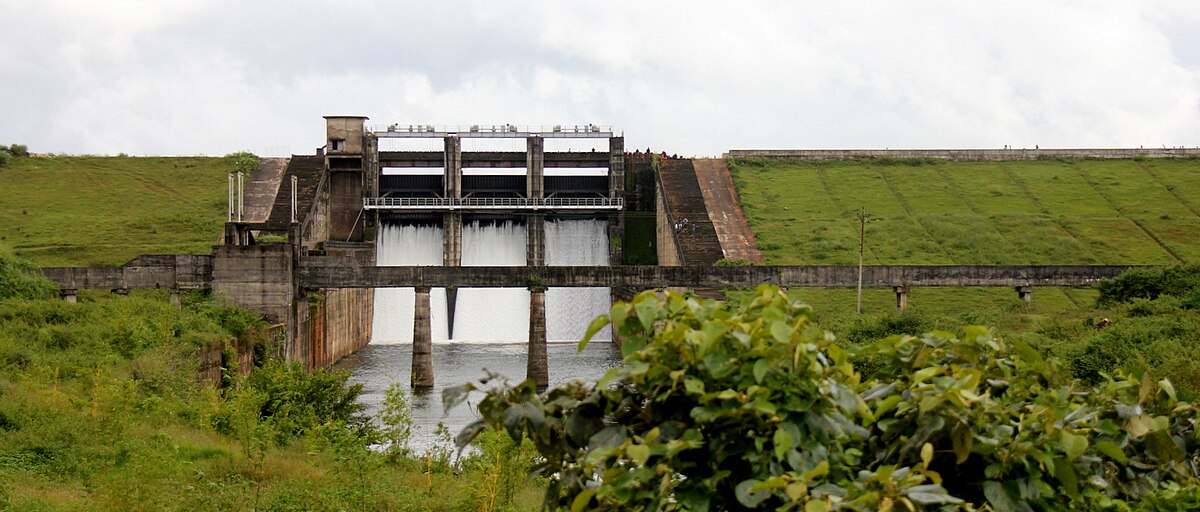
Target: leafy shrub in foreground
(719, 409)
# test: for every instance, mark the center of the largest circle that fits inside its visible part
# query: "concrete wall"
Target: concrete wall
(349, 129)
(664, 232)
(180, 271)
(345, 205)
(961, 154)
(337, 323)
(256, 277)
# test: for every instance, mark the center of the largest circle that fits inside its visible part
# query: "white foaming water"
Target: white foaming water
(400, 245)
(484, 315)
(570, 310)
(492, 314)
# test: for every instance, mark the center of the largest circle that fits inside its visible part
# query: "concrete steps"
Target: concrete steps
(307, 169)
(261, 189)
(698, 241)
(725, 210)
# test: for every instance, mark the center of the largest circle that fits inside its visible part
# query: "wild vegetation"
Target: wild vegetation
(87, 210)
(929, 212)
(101, 409)
(720, 408)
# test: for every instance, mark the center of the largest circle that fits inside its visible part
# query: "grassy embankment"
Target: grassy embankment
(1087, 212)
(1060, 212)
(100, 409)
(83, 210)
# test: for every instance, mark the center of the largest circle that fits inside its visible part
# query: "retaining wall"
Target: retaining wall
(962, 154)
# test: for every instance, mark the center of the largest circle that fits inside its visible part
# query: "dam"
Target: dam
(421, 234)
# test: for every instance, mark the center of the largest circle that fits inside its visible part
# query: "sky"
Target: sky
(189, 77)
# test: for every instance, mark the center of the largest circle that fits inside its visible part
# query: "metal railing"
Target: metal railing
(493, 131)
(492, 203)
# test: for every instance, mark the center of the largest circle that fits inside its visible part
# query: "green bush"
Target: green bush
(243, 161)
(18, 150)
(1163, 345)
(5, 158)
(292, 401)
(1179, 281)
(20, 279)
(720, 409)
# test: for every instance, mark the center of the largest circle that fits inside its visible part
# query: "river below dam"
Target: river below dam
(377, 366)
(490, 328)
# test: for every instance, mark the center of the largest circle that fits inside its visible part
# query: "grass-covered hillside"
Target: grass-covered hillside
(85, 210)
(1055, 212)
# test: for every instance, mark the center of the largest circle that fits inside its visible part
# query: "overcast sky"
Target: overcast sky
(696, 78)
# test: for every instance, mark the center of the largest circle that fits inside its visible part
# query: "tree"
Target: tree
(722, 409)
(243, 161)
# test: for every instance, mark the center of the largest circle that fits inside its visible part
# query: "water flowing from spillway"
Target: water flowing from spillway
(570, 310)
(492, 314)
(489, 315)
(399, 245)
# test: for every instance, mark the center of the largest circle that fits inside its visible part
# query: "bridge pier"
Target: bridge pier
(1025, 293)
(901, 297)
(535, 240)
(422, 355)
(451, 257)
(535, 163)
(538, 364)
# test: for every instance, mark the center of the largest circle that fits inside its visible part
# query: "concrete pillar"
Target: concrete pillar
(452, 179)
(451, 257)
(538, 365)
(616, 238)
(452, 239)
(1025, 293)
(535, 163)
(422, 356)
(535, 240)
(175, 299)
(616, 167)
(901, 297)
(71, 296)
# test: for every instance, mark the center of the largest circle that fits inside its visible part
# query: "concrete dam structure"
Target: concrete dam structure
(452, 226)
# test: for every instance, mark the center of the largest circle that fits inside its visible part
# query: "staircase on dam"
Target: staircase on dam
(262, 187)
(307, 169)
(698, 242)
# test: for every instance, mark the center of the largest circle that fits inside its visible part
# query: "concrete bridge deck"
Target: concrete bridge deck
(338, 271)
(332, 272)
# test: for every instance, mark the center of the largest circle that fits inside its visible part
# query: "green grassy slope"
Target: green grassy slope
(107, 210)
(1040, 212)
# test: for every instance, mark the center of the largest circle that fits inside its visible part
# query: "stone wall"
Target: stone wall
(962, 154)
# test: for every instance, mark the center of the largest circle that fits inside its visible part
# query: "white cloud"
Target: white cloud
(689, 77)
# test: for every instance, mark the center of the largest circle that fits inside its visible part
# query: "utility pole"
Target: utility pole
(862, 242)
